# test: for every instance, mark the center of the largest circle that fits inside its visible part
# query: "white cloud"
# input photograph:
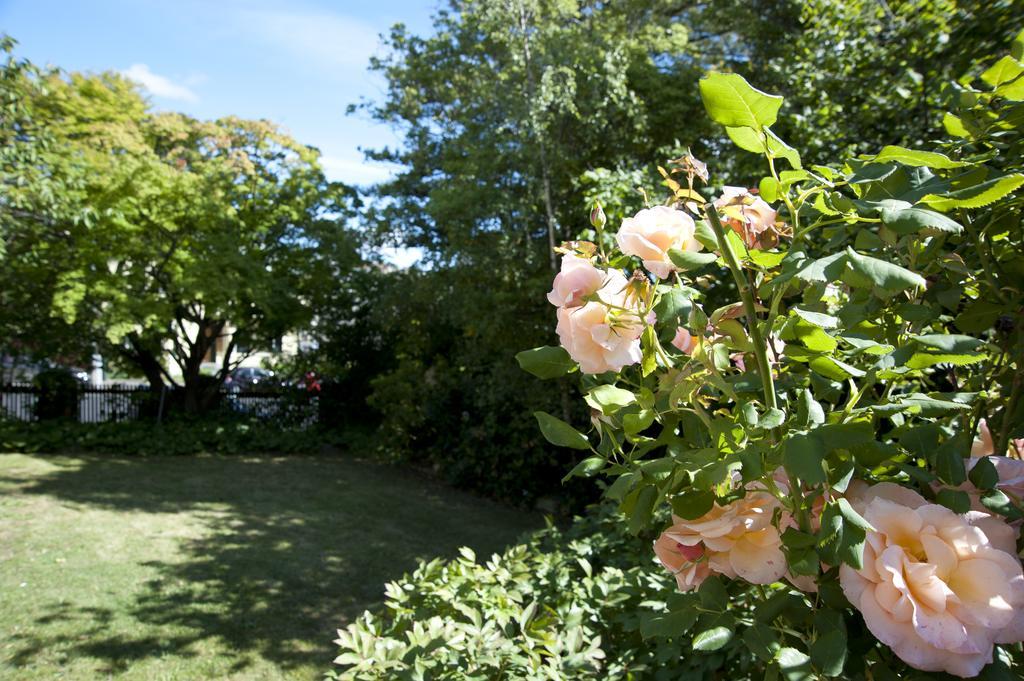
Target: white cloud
(356, 171)
(158, 85)
(327, 40)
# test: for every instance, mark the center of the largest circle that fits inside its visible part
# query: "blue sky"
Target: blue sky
(298, 63)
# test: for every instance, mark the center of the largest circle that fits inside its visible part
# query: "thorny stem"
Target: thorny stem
(1003, 442)
(757, 339)
(747, 296)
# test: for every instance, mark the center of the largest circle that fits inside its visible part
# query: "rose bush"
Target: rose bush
(832, 485)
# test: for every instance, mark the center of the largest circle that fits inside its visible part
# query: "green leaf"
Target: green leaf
(692, 504)
(978, 316)
(546, 361)
(673, 308)
(800, 555)
(766, 259)
(997, 502)
(829, 268)
(609, 399)
(829, 650)
(912, 220)
(802, 456)
(949, 462)
(928, 406)
(954, 499)
(712, 639)
(638, 422)
(762, 641)
(586, 468)
(977, 196)
(845, 435)
(983, 475)
(751, 140)
(884, 275)
(910, 157)
(794, 665)
(649, 347)
(749, 415)
(773, 418)
(830, 367)
(871, 454)
(809, 410)
(713, 595)
(851, 517)
(642, 508)
(669, 624)
(560, 433)
(842, 535)
(954, 125)
(809, 334)
(945, 349)
(1003, 71)
(690, 260)
(731, 101)
(949, 343)
(825, 321)
(705, 236)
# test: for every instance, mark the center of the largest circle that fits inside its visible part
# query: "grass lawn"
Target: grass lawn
(210, 567)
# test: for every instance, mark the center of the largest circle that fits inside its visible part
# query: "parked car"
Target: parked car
(251, 378)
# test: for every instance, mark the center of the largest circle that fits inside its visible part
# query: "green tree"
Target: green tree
(503, 108)
(191, 231)
(860, 74)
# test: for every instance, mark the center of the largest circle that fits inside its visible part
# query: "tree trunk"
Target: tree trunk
(147, 363)
(545, 173)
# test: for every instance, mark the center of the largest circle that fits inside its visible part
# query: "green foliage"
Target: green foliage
(170, 233)
(58, 395)
(173, 438)
(578, 603)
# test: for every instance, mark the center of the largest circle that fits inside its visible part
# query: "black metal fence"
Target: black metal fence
(102, 404)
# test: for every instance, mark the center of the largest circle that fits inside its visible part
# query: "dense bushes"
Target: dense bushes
(562, 604)
(231, 436)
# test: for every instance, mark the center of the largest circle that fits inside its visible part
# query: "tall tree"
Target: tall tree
(504, 107)
(191, 231)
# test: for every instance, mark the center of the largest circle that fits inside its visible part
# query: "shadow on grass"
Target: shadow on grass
(297, 547)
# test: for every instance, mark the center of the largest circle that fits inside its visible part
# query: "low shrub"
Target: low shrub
(565, 603)
(177, 437)
(58, 395)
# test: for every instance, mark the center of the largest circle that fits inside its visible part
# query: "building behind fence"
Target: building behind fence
(111, 403)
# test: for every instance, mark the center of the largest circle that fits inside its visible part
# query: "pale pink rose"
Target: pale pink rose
(684, 562)
(577, 280)
(985, 444)
(599, 335)
(739, 540)
(652, 232)
(934, 587)
(749, 216)
(684, 341)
